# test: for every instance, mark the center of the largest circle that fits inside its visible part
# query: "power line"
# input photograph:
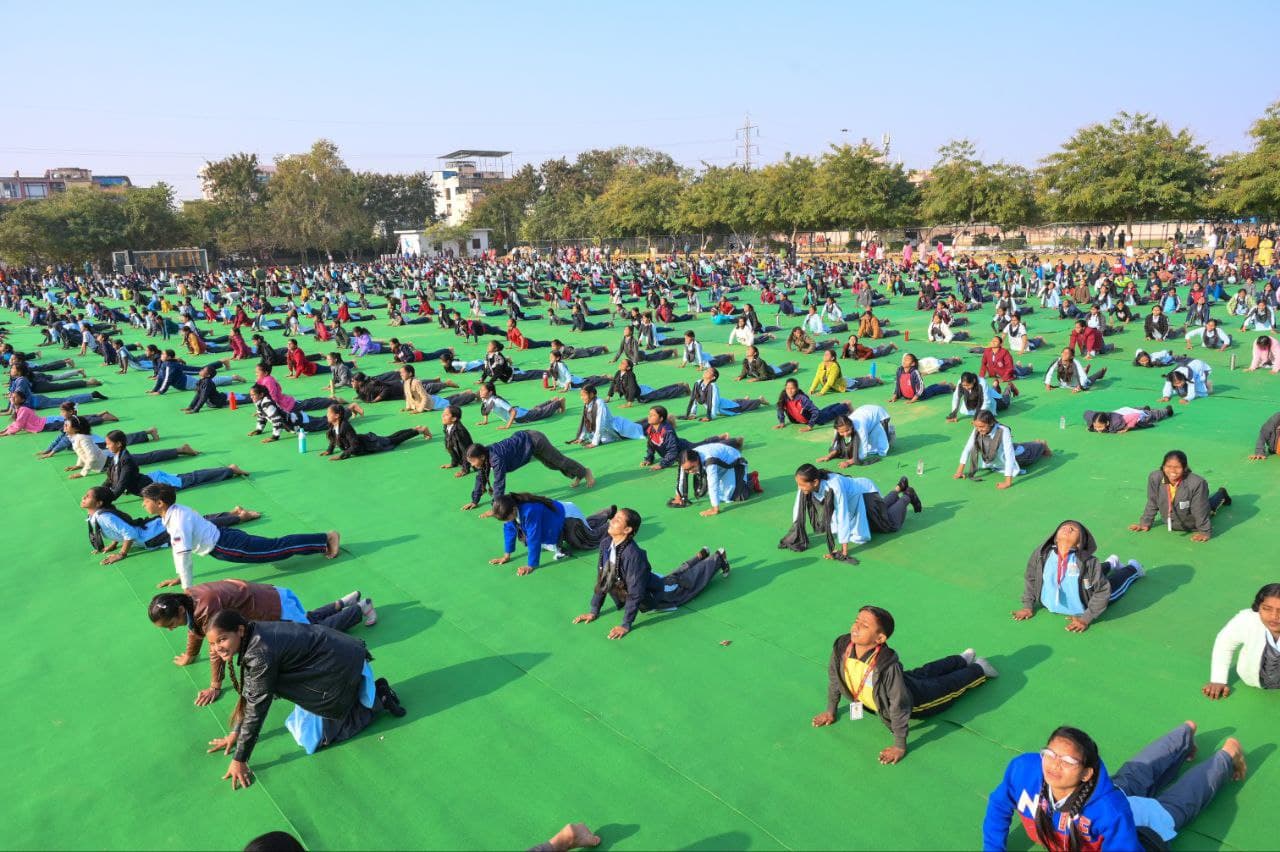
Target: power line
(744, 133)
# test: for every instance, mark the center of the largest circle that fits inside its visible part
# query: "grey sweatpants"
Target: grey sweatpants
(544, 452)
(1156, 767)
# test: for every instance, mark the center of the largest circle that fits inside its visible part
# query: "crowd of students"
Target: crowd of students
(271, 646)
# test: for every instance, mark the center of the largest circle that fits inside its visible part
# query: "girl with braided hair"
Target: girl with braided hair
(324, 672)
(544, 524)
(1065, 798)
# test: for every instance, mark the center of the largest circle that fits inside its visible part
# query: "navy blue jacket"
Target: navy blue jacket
(506, 455)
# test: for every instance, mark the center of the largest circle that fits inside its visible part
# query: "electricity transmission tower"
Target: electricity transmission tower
(745, 133)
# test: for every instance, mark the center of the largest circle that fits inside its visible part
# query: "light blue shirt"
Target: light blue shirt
(1064, 598)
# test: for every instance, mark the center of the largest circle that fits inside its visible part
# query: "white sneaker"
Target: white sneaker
(370, 614)
(1114, 559)
(350, 599)
(1142, 572)
(968, 655)
(987, 669)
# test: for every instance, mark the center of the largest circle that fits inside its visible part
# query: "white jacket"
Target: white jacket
(92, 458)
(1244, 632)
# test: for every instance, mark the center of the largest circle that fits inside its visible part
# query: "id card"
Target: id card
(855, 711)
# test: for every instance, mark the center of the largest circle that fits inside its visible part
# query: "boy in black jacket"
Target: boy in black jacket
(868, 672)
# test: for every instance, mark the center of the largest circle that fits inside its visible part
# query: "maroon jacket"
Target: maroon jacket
(255, 601)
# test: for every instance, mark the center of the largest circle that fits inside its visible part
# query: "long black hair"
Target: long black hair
(1075, 803)
(1270, 590)
(812, 473)
(226, 621)
(164, 607)
(973, 396)
(782, 395)
(506, 506)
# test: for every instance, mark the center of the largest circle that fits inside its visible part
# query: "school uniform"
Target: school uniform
(1195, 381)
(514, 452)
(1069, 376)
(191, 533)
(1256, 652)
(623, 573)
(1074, 584)
(874, 438)
(801, 409)
(1125, 418)
(723, 477)
(1210, 339)
(346, 442)
(877, 682)
(693, 354)
(123, 476)
(1268, 437)
(599, 426)
(1186, 507)
(706, 396)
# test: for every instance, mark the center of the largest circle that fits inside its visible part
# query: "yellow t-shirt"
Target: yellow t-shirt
(854, 670)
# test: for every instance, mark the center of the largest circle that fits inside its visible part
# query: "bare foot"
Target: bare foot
(1191, 755)
(108, 417)
(238, 380)
(1047, 451)
(154, 433)
(574, 836)
(331, 551)
(1233, 748)
(92, 383)
(237, 470)
(591, 480)
(246, 514)
(188, 450)
(423, 431)
(356, 410)
(563, 406)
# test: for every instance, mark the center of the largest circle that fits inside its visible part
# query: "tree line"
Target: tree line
(1130, 168)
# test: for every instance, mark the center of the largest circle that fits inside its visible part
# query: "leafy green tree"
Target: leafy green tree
(150, 218)
(1249, 182)
(723, 199)
(315, 203)
(239, 190)
(504, 207)
(787, 198)
(639, 203)
(396, 201)
(1133, 167)
(857, 188)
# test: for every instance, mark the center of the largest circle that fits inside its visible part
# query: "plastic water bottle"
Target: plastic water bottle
(302, 441)
(919, 467)
(873, 367)
(1062, 422)
(1233, 363)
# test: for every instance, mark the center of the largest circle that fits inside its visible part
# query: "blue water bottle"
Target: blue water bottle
(302, 441)
(873, 369)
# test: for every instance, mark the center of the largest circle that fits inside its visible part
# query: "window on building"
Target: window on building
(448, 193)
(36, 190)
(10, 189)
(475, 244)
(58, 186)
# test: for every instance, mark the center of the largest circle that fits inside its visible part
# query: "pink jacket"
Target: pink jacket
(277, 394)
(26, 420)
(1266, 357)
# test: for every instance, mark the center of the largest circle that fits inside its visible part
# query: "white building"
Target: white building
(420, 244)
(462, 181)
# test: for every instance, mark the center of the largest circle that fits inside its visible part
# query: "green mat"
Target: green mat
(691, 733)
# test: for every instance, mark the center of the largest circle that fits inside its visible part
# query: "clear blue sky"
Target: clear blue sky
(152, 90)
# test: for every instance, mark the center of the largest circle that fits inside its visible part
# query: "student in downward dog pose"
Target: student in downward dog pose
(1182, 497)
(324, 672)
(1065, 577)
(345, 441)
(623, 573)
(190, 533)
(863, 437)
(991, 447)
(543, 525)
(512, 453)
(1065, 798)
(1124, 419)
(1268, 438)
(1187, 382)
(1067, 372)
(893, 694)
(1253, 634)
(598, 426)
(795, 406)
(196, 607)
(704, 394)
(715, 469)
(491, 403)
(846, 509)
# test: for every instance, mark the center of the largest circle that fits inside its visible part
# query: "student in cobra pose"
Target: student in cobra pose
(123, 476)
(1125, 419)
(1065, 577)
(1210, 335)
(196, 607)
(114, 533)
(755, 369)
(491, 403)
(1252, 638)
(1182, 497)
(692, 353)
(1187, 382)
(418, 398)
(972, 395)
(1268, 438)
(895, 695)
(598, 426)
(626, 385)
(847, 509)
(1067, 372)
(512, 453)
(861, 438)
(795, 406)
(704, 394)
(324, 672)
(991, 447)
(829, 378)
(908, 384)
(623, 573)
(345, 442)
(718, 470)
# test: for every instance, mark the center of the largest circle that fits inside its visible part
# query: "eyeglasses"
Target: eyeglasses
(1060, 759)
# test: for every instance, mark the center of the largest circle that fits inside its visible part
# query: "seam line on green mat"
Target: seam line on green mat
(623, 736)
